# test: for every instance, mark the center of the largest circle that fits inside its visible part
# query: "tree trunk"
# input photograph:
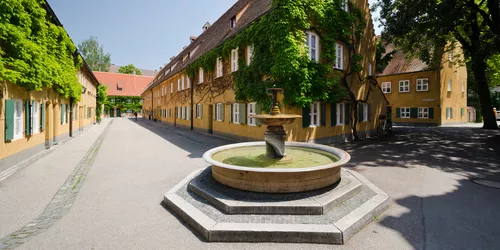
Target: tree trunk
(483, 91)
(354, 124)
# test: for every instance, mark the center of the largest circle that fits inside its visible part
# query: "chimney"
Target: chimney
(171, 58)
(192, 38)
(206, 26)
(183, 48)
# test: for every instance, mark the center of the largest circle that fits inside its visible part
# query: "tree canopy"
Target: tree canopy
(94, 55)
(129, 69)
(428, 28)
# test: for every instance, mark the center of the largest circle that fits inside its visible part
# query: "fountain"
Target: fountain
(295, 192)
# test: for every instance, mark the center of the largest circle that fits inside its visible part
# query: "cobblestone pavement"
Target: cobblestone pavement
(425, 171)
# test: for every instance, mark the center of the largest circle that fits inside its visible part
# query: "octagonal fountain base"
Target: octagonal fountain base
(330, 215)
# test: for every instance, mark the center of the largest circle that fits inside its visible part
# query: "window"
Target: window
(129, 101)
(249, 54)
(251, 111)
(236, 113)
(463, 86)
(178, 84)
(449, 85)
(199, 111)
(365, 112)
(405, 112)
(219, 114)
(369, 69)
(183, 112)
(449, 113)
(18, 120)
(234, 60)
(188, 84)
(112, 100)
(340, 113)
(35, 117)
(170, 112)
(423, 112)
(315, 116)
(386, 87)
(312, 42)
(171, 87)
(345, 5)
(450, 56)
(339, 53)
(182, 83)
(219, 67)
(404, 86)
(423, 84)
(233, 22)
(200, 76)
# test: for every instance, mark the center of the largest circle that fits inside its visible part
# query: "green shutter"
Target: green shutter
(62, 113)
(347, 114)
(231, 113)
(369, 107)
(9, 120)
(360, 112)
(222, 111)
(201, 111)
(214, 112)
(42, 116)
(243, 113)
(451, 113)
(413, 112)
(306, 118)
(333, 114)
(461, 112)
(257, 112)
(323, 114)
(398, 113)
(431, 113)
(27, 117)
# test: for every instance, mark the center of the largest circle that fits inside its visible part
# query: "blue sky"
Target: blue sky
(145, 33)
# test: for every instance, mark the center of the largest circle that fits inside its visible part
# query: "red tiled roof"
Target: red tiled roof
(123, 84)
(400, 64)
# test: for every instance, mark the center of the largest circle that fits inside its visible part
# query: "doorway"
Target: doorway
(112, 112)
(210, 118)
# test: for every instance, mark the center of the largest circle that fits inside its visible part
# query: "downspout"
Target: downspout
(151, 113)
(192, 99)
(71, 100)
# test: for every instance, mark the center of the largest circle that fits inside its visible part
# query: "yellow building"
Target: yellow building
(175, 99)
(33, 121)
(420, 94)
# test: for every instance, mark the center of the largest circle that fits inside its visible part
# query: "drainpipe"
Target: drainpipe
(192, 99)
(151, 113)
(71, 117)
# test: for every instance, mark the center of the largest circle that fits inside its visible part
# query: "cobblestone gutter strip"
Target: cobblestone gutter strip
(62, 201)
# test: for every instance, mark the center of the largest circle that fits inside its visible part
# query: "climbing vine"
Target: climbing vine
(125, 103)
(280, 58)
(36, 53)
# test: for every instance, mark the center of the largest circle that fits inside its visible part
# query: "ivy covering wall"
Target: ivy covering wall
(133, 103)
(35, 53)
(280, 58)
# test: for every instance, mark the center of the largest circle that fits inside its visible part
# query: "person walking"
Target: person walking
(135, 114)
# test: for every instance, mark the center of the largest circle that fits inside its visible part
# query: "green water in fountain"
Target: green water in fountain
(254, 156)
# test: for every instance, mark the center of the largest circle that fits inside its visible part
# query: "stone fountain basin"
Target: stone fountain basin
(276, 120)
(277, 180)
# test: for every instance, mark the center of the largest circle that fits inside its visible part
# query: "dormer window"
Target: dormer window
(119, 87)
(233, 22)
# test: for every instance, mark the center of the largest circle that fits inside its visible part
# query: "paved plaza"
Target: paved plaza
(104, 190)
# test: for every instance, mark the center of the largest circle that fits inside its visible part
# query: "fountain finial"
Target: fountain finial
(275, 109)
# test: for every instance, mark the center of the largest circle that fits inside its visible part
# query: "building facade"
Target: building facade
(207, 101)
(420, 94)
(124, 92)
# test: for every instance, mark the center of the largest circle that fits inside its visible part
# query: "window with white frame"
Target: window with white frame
(236, 113)
(171, 87)
(315, 115)
(249, 53)
(250, 112)
(463, 86)
(199, 111)
(365, 112)
(178, 84)
(370, 69)
(183, 113)
(423, 84)
(112, 100)
(450, 56)
(178, 112)
(339, 56)
(312, 43)
(405, 112)
(386, 87)
(35, 107)
(182, 83)
(423, 112)
(200, 76)
(18, 120)
(340, 114)
(219, 67)
(188, 82)
(404, 86)
(219, 111)
(234, 60)
(448, 113)
(345, 5)
(449, 85)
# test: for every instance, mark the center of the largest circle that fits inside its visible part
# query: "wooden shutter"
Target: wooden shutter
(215, 112)
(323, 114)
(9, 120)
(222, 111)
(369, 107)
(243, 113)
(360, 112)
(347, 114)
(231, 118)
(451, 113)
(431, 113)
(42, 116)
(398, 112)
(462, 112)
(201, 111)
(333, 114)
(306, 117)
(27, 118)
(62, 113)
(257, 112)
(413, 112)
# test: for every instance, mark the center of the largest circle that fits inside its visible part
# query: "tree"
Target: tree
(439, 26)
(130, 69)
(94, 55)
(101, 99)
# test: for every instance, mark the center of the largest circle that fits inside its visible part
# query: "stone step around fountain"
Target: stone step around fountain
(234, 201)
(335, 226)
